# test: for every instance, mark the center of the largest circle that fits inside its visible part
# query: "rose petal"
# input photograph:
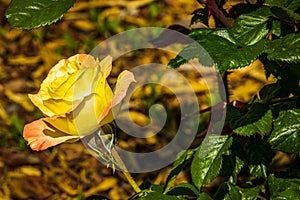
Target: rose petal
(88, 82)
(38, 102)
(69, 81)
(64, 123)
(35, 134)
(123, 82)
(84, 59)
(85, 116)
(106, 65)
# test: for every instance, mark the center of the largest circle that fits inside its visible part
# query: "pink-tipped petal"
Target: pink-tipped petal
(123, 82)
(34, 133)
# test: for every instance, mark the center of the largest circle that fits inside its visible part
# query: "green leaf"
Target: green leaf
(283, 188)
(229, 163)
(233, 163)
(238, 167)
(184, 189)
(208, 159)
(236, 192)
(157, 195)
(233, 193)
(276, 28)
(222, 191)
(286, 134)
(235, 169)
(232, 112)
(244, 42)
(224, 51)
(258, 155)
(270, 91)
(29, 14)
(284, 49)
(204, 196)
(286, 84)
(258, 151)
(258, 170)
(255, 112)
(178, 165)
(262, 126)
(221, 47)
(198, 33)
(200, 15)
(250, 28)
(157, 188)
(289, 4)
(285, 9)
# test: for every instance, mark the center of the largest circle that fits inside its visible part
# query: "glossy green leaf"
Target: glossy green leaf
(204, 196)
(276, 28)
(258, 170)
(157, 195)
(232, 165)
(207, 160)
(284, 188)
(198, 33)
(225, 54)
(255, 112)
(289, 4)
(262, 126)
(250, 28)
(238, 167)
(236, 192)
(270, 91)
(284, 49)
(184, 189)
(29, 14)
(233, 193)
(222, 48)
(286, 134)
(285, 9)
(178, 165)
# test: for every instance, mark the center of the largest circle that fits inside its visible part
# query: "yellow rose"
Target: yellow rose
(76, 100)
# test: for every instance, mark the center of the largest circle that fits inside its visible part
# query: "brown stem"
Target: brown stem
(220, 105)
(287, 99)
(217, 12)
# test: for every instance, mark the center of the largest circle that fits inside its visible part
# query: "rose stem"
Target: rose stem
(127, 175)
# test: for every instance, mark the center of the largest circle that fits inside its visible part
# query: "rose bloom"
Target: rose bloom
(76, 100)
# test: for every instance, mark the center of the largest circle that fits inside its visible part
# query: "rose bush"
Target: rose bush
(76, 100)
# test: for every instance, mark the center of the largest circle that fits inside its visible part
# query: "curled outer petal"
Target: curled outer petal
(40, 135)
(122, 84)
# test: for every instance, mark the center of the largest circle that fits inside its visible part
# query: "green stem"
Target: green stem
(127, 175)
(132, 182)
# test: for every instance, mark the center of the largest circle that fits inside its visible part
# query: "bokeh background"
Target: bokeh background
(68, 171)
